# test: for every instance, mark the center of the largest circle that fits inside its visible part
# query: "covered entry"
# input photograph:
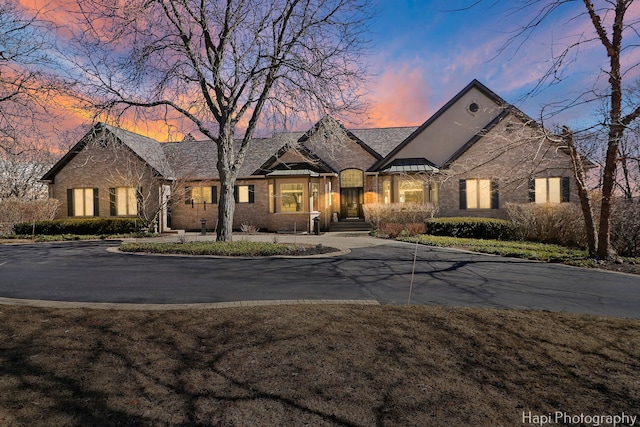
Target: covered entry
(351, 193)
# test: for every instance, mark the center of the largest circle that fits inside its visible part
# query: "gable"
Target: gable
(146, 149)
(337, 147)
(451, 127)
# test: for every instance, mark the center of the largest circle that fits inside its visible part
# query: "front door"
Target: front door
(351, 203)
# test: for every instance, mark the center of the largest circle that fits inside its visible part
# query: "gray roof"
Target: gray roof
(146, 148)
(197, 159)
(383, 140)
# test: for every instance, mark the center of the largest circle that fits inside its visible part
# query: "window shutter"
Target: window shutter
(532, 190)
(112, 202)
(251, 194)
(235, 193)
(566, 189)
(69, 201)
(463, 194)
(214, 194)
(96, 202)
(140, 200)
(495, 201)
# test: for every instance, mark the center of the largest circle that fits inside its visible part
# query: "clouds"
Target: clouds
(400, 96)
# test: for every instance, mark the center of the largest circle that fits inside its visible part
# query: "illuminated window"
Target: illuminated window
(292, 197)
(351, 178)
(411, 191)
(201, 195)
(478, 194)
(244, 193)
(126, 201)
(82, 202)
(549, 190)
(315, 197)
(386, 191)
(271, 199)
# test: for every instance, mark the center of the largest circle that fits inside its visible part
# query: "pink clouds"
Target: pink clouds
(401, 96)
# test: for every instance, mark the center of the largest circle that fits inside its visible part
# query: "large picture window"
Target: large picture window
(411, 191)
(292, 197)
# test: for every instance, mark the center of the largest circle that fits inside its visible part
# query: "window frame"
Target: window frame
(563, 190)
(473, 185)
(90, 198)
(300, 203)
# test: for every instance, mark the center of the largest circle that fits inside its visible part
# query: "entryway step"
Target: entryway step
(350, 226)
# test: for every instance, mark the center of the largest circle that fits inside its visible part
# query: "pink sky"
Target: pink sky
(423, 55)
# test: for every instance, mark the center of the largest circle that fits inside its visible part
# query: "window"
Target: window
(478, 194)
(315, 197)
(124, 201)
(411, 191)
(82, 202)
(386, 191)
(201, 195)
(271, 199)
(244, 193)
(291, 196)
(549, 190)
(351, 178)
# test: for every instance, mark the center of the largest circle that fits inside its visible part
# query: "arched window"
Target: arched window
(351, 178)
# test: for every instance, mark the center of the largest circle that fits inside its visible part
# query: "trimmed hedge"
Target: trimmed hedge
(474, 228)
(94, 226)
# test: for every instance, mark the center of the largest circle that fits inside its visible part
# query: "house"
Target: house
(474, 155)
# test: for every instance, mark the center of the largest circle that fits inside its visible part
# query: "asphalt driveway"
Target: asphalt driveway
(87, 272)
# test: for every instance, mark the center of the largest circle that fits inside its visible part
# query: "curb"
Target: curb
(168, 307)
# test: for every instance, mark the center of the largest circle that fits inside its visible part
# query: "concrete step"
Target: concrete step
(350, 226)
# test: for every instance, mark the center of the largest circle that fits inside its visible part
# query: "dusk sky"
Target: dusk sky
(424, 52)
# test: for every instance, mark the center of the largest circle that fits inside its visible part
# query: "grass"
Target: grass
(517, 249)
(236, 248)
(67, 237)
(320, 365)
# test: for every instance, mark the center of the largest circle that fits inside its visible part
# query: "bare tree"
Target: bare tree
(224, 66)
(611, 24)
(25, 83)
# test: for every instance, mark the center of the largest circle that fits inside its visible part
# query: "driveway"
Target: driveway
(87, 272)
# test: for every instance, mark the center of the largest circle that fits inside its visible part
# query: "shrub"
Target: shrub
(394, 219)
(402, 213)
(474, 228)
(561, 223)
(94, 226)
(15, 210)
(625, 228)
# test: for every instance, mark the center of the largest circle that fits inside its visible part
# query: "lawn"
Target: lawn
(331, 365)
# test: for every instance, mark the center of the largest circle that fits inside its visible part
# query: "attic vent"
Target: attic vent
(473, 108)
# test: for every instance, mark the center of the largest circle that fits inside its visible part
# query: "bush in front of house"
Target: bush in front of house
(15, 210)
(395, 219)
(93, 226)
(474, 228)
(625, 227)
(560, 223)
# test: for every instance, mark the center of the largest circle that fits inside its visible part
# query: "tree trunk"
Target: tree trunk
(226, 207)
(583, 192)
(227, 203)
(608, 180)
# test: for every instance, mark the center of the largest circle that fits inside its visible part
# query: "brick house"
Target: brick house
(470, 158)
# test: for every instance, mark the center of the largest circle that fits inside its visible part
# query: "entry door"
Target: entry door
(351, 202)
